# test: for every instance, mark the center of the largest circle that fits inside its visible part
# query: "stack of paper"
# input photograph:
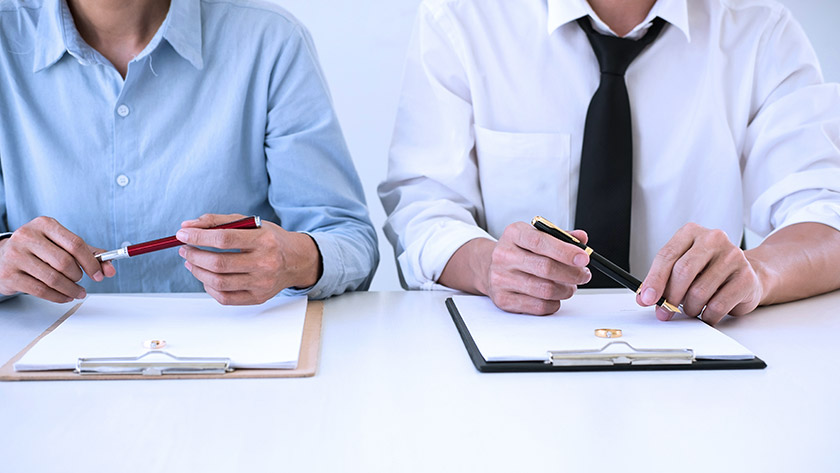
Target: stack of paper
(107, 326)
(503, 336)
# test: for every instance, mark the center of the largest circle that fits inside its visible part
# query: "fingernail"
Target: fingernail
(183, 252)
(188, 222)
(588, 275)
(82, 294)
(182, 235)
(664, 314)
(98, 277)
(580, 260)
(649, 296)
(188, 265)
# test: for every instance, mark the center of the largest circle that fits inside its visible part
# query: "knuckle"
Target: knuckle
(734, 258)
(217, 264)
(541, 289)
(501, 254)
(547, 307)
(668, 253)
(39, 291)
(716, 309)
(503, 300)
(691, 228)
(24, 233)
(43, 221)
(682, 270)
(541, 267)
(66, 263)
(567, 291)
(52, 279)
(699, 292)
(224, 239)
(76, 244)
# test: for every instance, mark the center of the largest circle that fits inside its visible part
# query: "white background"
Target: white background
(362, 47)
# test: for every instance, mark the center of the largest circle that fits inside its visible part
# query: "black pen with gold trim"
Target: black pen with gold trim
(599, 262)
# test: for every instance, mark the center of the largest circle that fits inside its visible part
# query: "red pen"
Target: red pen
(169, 242)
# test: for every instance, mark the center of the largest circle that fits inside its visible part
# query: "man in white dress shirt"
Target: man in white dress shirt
(732, 127)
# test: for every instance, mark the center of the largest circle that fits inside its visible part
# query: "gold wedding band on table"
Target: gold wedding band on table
(154, 344)
(608, 332)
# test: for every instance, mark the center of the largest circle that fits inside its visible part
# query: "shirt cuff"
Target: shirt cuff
(333, 270)
(826, 212)
(423, 262)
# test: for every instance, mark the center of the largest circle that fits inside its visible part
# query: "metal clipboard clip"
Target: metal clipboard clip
(153, 363)
(613, 354)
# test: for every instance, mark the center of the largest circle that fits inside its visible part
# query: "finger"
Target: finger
(540, 288)
(223, 239)
(220, 263)
(656, 281)
(529, 238)
(580, 235)
(211, 220)
(47, 251)
(730, 295)
(76, 247)
(108, 269)
(705, 286)
(29, 285)
(513, 258)
(524, 304)
(221, 282)
(233, 298)
(663, 314)
(54, 279)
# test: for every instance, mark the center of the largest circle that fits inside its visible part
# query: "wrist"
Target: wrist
(310, 266)
(767, 278)
(468, 269)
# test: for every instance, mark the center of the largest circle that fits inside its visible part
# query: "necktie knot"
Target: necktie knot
(615, 54)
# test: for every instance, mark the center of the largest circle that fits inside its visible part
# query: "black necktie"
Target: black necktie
(606, 163)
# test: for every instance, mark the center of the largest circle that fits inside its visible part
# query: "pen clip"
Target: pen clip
(553, 227)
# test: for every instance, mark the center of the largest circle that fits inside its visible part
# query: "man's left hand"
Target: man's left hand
(702, 270)
(269, 259)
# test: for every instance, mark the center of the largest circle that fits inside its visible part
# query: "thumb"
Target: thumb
(211, 220)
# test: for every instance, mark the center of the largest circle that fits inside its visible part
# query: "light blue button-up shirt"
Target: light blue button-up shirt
(225, 111)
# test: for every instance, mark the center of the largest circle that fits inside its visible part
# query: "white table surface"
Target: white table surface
(396, 392)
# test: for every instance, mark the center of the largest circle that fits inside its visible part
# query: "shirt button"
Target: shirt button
(122, 180)
(123, 110)
(124, 244)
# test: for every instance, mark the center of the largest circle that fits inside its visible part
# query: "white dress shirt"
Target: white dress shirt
(733, 126)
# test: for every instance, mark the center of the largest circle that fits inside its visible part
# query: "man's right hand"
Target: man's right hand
(526, 271)
(46, 260)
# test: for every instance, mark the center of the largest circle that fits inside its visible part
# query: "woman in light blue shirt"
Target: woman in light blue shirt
(119, 121)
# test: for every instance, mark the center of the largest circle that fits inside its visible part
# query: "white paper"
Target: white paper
(503, 336)
(260, 336)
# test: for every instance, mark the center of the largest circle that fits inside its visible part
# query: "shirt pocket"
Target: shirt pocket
(523, 175)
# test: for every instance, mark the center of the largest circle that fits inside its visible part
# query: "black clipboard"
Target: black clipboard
(484, 366)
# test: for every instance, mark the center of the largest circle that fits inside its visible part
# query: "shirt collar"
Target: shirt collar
(183, 31)
(49, 39)
(57, 35)
(561, 12)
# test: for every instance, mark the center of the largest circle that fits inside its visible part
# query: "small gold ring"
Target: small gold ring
(154, 344)
(608, 332)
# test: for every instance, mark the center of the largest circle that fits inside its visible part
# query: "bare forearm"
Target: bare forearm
(796, 262)
(468, 267)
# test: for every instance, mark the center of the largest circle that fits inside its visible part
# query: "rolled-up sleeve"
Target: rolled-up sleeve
(314, 187)
(792, 147)
(432, 194)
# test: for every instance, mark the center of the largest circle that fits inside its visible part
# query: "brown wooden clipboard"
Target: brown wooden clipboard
(307, 360)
